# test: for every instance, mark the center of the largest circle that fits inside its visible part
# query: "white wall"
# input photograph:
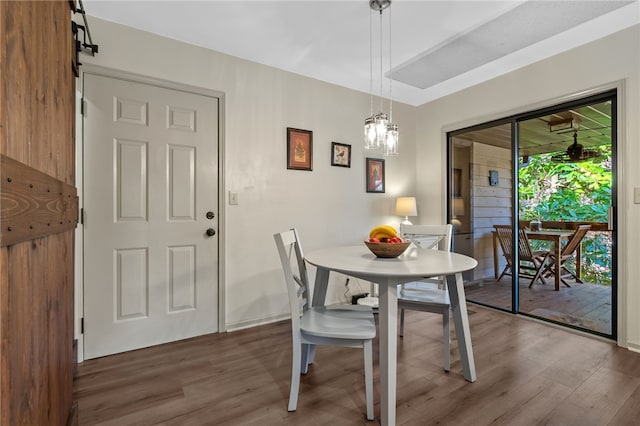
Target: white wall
(329, 205)
(606, 63)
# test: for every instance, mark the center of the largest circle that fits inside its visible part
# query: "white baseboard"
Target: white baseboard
(633, 346)
(241, 325)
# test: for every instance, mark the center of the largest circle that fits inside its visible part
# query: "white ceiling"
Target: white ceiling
(329, 40)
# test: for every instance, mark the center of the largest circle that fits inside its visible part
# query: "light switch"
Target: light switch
(636, 195)
(233, 198)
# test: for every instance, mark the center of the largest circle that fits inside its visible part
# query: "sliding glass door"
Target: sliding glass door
(546, 180)
(481, 196)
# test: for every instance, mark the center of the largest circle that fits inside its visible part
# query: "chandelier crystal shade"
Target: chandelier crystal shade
(379, 131)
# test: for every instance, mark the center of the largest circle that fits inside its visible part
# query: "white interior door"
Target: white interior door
(150, 191)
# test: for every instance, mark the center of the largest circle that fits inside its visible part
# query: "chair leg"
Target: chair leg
(295, 376)
(312, 353)
(504, 271)
(401, 322)
(574, 276)
(446, 332)
(305, 358)
(538, 275)
(368, 377)
(543, 267)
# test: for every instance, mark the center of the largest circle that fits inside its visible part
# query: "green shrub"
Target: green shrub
(572, 192)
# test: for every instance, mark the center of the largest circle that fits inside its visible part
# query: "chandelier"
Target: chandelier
(379, 130)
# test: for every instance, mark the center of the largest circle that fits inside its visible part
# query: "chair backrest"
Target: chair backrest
(524, 248)
(505, 236)
(575, 240)
(428, 236)
(437, 237)
(295, 274)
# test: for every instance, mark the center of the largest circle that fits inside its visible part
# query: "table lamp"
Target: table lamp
(406, 206)
(458, 210)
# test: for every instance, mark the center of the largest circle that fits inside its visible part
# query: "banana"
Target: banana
(383, 231)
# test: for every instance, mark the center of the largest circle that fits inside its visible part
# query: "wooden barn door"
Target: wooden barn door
(38, 212)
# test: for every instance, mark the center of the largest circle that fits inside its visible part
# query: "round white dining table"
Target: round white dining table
(414, 264)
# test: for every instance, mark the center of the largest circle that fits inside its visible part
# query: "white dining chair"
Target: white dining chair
(430, 294)
(337, 325)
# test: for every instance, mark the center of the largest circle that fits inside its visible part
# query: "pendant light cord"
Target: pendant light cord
(390, 74)
(381, 76)
(371, 60)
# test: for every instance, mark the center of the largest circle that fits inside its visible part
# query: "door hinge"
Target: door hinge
(82, 325)
(81, 106)
(81, 215)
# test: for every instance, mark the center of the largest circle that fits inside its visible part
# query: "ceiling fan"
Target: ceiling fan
(576, 153)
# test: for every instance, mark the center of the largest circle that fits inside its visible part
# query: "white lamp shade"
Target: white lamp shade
(406, 206)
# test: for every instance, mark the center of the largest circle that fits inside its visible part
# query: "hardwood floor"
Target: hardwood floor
(528, 374)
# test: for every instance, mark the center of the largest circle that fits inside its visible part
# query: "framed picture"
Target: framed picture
(340, 154)
(375, 175)
(299, 149)
(457, 182)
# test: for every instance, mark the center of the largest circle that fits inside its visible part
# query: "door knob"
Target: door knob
(211, 232)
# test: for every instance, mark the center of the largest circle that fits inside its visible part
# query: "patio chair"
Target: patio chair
(337, 325)
(532, 263)
(568, 252)
(428, 295)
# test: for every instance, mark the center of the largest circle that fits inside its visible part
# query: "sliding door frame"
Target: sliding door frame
(515, 120)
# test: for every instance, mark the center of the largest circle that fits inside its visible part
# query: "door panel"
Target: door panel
(150, 171)
(573, 185)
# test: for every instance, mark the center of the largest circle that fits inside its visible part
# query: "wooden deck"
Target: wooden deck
(587, 306)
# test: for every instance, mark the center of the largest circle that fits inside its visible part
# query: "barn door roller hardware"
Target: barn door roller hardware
(81, 46)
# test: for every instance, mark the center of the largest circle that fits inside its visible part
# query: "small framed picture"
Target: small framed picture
(299, 149)
(340, 154)
(375, 175)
